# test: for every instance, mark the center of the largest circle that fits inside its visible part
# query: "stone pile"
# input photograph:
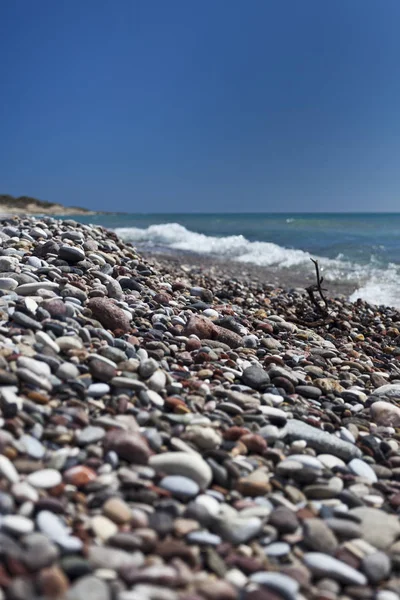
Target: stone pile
(167, 434)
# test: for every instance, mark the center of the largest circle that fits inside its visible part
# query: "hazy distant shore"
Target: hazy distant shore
(25, 205)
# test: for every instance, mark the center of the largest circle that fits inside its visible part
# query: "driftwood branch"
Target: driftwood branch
(317, 287)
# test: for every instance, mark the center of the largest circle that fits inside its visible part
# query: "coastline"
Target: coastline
(228, 269)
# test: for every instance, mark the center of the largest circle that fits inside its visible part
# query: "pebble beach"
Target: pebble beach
(171, 432)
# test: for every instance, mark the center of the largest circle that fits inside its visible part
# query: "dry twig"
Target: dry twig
(312, 289)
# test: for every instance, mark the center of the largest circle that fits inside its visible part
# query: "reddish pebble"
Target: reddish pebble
(234, 433)
(193, 344)
(79, 476)
(254, 443)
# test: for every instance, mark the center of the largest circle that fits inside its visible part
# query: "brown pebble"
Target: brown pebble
(217, 589)
(109, 314)
(53, 583)
(79, 475)
(130, 446)
(117, 510)
(254, 443)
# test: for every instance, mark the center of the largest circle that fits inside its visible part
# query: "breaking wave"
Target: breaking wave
(374, 283)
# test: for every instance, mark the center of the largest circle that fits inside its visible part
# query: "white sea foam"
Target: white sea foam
(376, 285)
(234, 247)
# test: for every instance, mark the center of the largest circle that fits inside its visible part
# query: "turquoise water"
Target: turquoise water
(361, 248)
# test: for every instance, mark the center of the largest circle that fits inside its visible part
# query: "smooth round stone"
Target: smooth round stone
(323, 565)
(97, 390)
(277, 549)
(117, 510)
(71, 254)
(277, 416)
(180, 486)
(322, 441)
(36, 366)
(236, 578)
(7, 283)
(378, 527)
(90, 435)
(318, 536)
(17, 524)
(32, 446)
(30, 289)
(70, 544)
(279, 582)
(307, 461)
(67, 371)
(157, 381)
(69, 342)
(51, 525)
(255, 377)
(33, 379)
(236, 529)
(210, 504)
(203, 538)
(362, 469)
(34, 261)
(23, 492)
(92, 588)
(386, 595)
(154, 398)
(330, 461)
(376, 566)
(309, 391)
(347, 436)
(80, 475)
(148, 367)
(8, 470)
(44, 479)
(43, 338)
(188, 465)
(103, 527)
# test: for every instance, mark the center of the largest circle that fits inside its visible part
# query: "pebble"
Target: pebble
(44, 479)
(319, 537)
(279, 582)
(362, 469)
(192, 466)
(17, 524)
(323, 565)
(8, 470)
(386, 527)
(376, 567)
(117, 510)
(384, 413)
(321, 441)
(180, 486)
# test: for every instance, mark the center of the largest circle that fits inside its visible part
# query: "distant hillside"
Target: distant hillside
(32, 206)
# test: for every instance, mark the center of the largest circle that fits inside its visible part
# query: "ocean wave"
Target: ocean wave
(234, 247)
(374, 284)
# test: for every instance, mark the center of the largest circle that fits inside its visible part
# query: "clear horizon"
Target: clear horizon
(181, 107)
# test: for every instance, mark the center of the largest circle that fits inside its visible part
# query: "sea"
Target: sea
(360, 249)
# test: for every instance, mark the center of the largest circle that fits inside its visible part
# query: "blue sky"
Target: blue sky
(218, 105)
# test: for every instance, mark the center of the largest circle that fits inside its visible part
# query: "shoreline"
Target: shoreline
(277, 277)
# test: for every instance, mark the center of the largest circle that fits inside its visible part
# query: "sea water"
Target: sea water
(363, 249)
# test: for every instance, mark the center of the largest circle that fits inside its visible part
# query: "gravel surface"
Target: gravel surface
(171, 431)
